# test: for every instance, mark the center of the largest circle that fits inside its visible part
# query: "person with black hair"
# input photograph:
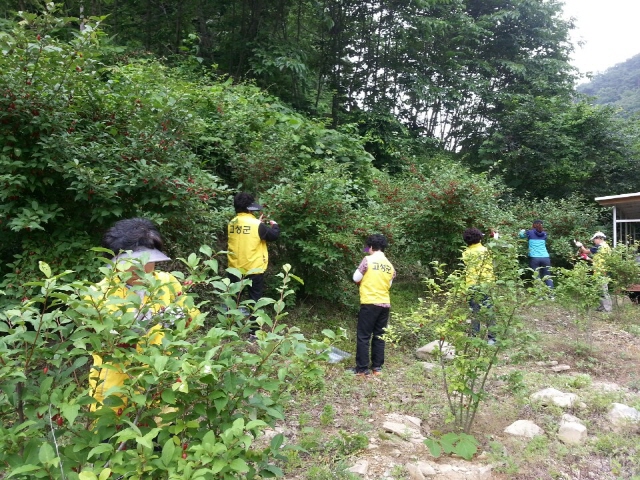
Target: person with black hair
(248, 237)
(374, 276)
(135, 243)
(478, 273)
(539, 259)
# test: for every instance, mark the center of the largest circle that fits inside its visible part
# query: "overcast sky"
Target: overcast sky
(609, 30)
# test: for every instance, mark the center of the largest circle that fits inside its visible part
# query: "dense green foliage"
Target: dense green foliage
(85, 144)
(429, 116)
(91, 135)
(555, 147)
(489, 80)
(191, 407)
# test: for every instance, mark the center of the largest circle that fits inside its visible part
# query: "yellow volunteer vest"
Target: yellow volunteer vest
(246, 250)
(375, 284)
(479, 267)
(599, 259)
(102, 379)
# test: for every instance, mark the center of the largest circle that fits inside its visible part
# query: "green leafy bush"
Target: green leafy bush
(431, 207)
(460, 444)
(622, 267)
(251, 139)
(445, 311)
(84, 144)
(323, 229)
(580, 290)
(191, 406)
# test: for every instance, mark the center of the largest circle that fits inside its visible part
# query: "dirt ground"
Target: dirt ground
(342, 423)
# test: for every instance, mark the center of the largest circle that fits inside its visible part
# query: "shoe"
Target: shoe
(252, 338)
(491, 341)
(363, 373)
(377, 371)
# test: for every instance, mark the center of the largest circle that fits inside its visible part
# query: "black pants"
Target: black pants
(542, 265)
(372, 320)
(256, 290)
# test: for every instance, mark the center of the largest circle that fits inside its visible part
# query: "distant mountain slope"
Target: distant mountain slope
(617, 86)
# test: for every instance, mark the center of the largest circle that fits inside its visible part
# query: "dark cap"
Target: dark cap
(254, 207)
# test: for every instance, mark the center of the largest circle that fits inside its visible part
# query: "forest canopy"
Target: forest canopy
(345, 117)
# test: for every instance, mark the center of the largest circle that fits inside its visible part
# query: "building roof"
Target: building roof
(627, 205)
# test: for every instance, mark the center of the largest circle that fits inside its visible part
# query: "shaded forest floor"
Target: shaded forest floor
(333, 426)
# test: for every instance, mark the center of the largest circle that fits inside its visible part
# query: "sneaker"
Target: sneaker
(491, 341)
(363, 373)
(377, 371)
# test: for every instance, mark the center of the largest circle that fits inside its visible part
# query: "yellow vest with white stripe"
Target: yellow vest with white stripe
(247, 250)
(375, 284)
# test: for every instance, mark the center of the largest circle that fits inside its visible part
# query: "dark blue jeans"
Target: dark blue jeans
(480, 301)
(542, 266)
(372, 320)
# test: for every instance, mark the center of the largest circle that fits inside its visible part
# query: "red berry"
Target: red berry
(119, 411)
(185, 445)
(45, 370)
(179, 380)
(59, 421)
(184, 455)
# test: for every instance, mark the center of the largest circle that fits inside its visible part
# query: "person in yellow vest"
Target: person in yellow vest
(248, 237)
(598, 254)
(478, 274)
(374, 275)
(136, 240)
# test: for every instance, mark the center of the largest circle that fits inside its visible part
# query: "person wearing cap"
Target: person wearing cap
(374, 276)
(598, 254)
(539, 259)
(136, 243)
(248, 237)
(478, 273)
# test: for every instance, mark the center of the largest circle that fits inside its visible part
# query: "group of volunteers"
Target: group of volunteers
(138, 240)
(247, 251)
(479, 269)
(540, 261)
